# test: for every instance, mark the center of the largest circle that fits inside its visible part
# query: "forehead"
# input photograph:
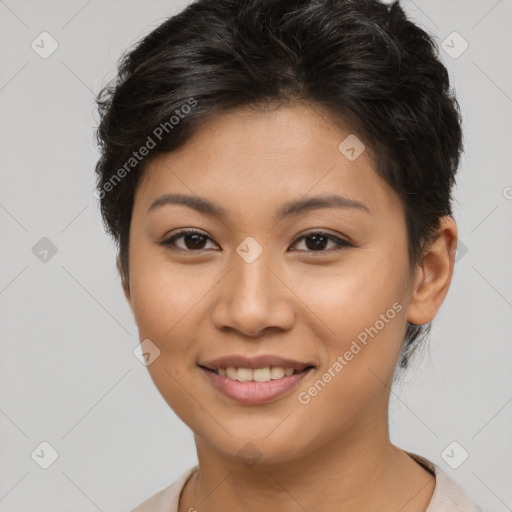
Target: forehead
(270, 156)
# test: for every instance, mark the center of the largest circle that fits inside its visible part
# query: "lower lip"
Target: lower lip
(252, 393)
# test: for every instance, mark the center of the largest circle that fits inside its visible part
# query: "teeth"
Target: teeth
(261, 374)
(244, 374)
(276, 372)
(231, 373)
(257, 374)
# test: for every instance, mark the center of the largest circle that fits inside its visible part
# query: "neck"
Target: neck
(364, 472)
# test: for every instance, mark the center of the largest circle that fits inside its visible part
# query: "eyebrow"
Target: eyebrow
(289, 208)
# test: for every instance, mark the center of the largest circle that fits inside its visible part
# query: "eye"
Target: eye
(318, 240)
(192, 240)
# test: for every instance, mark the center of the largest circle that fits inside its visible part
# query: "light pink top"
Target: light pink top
(447, 496)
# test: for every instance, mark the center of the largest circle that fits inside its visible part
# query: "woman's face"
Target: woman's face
(258, 281)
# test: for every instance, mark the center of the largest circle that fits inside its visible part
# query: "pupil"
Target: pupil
(317, 243)
(197, 243)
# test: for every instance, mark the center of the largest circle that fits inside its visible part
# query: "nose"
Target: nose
(253, 298)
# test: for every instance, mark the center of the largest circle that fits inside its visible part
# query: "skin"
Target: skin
(333, 453)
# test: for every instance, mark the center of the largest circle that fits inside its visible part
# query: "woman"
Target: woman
(277, 175)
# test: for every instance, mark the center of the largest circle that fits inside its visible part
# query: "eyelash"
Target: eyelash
(341, 244)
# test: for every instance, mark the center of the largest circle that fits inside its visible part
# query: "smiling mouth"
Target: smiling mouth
(264, 374)
(256, 386)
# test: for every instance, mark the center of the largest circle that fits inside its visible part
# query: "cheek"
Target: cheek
(362, 310)
(166, 302)
(164, 294)
(349, 298)
(359, 362)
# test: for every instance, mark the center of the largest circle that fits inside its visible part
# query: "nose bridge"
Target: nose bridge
(252, 298)
(252, 279)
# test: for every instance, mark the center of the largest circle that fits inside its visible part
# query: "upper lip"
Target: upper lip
(254, 362)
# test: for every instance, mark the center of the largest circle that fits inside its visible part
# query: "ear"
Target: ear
(124, 283)
(434, 274)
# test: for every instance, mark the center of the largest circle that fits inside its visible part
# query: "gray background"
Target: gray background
(68, 375)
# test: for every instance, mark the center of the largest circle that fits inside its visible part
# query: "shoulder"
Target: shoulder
(167, 499)
(448, 496)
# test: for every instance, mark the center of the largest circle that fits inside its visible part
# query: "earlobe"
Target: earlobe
(434, 274)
